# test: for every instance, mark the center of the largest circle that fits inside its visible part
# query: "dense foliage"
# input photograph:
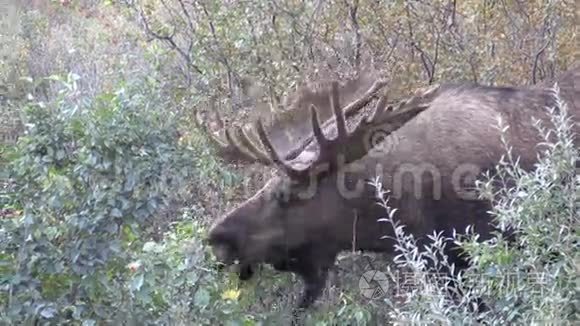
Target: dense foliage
(107, 188)
(239, 52)
(88, 181)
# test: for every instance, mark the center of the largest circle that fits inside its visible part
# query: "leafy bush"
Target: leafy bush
(88, 181)
(172, 281)
(528, 282)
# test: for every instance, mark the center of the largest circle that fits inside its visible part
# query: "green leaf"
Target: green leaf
(359, 316)
(137, 283)
(201, 298)
(249, 322)
(89, 322)
(116, 212)
(152, 247)
(48, 312)
(234, 323)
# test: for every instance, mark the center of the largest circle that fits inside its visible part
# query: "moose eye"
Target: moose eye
(280, 196)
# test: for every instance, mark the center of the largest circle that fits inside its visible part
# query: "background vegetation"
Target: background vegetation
(97, 97)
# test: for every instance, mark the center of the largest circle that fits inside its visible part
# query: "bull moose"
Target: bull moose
(434, 145)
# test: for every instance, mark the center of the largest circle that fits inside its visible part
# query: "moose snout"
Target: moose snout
(226, 261)
(222, 254)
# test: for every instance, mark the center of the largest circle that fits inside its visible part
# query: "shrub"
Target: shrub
(88, 181)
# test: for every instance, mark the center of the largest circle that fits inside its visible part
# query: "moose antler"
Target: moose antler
(237, 147)
(287, 132)
(330, 149)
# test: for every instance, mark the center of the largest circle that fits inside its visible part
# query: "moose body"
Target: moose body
(429, 163)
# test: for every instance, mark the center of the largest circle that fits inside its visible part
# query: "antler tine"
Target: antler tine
(234, 143)
(349, 110)
(327, 147)
(316, 128)
(392, 118)
(338, 113)
(220, 119)
(379, 109)
(365, 98)
(382, 103)
(252, 147)
(210, 134)
(230, 149)
(274, 156)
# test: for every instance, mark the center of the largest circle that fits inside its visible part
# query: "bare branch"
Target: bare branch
(169, 39)
(352, 10)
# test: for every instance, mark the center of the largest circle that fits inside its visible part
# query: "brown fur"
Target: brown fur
(457, 130)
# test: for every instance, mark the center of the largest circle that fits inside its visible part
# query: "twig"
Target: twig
(354, 224)
(537, 57)
(169, 40)
(352, 10)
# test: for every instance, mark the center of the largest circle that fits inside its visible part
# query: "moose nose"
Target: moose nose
(220, 266)
(222, 254)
